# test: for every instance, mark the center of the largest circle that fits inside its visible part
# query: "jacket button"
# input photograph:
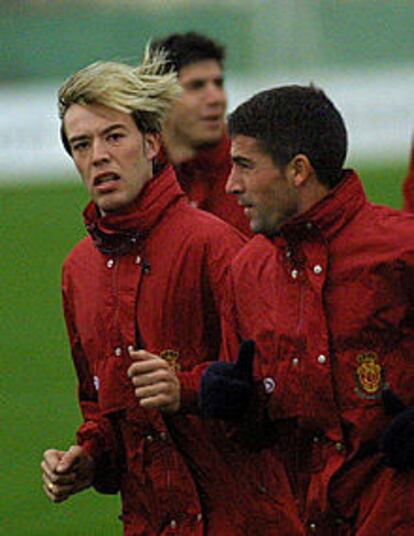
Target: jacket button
(269, 385)
(340, 447)
(149, 438)
(295, 361)
(312, 527)
(199, 517)
(118, 351)
(138, 259)
(163, 436)
(321, 359)
(173, 524)
(110, 263)
(309, 226)
(130, 348)
(294, 274)
(317, 269)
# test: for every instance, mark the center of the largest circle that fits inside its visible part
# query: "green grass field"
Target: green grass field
(39, 226)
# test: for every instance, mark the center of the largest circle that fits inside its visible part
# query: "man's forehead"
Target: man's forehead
(200, 69)
(79, 117)
(245, 146)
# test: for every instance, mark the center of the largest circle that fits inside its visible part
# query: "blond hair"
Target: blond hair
(147, 91)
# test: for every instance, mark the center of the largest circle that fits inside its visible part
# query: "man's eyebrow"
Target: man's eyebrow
(240, 160)
(205, 79)
(113, 127)
(198, 80)
(106, 130)
(73, 139)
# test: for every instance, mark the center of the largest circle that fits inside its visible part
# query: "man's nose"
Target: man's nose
(234, 183)
(215, 94)
(99, 152)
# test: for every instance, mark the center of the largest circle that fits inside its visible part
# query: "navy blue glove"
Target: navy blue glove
(226, 388)
(397, 442)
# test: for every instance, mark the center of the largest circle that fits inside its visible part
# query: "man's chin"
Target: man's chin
(207, 143)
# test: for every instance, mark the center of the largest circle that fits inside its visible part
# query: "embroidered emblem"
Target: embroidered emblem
(369, 376)
(171, 356)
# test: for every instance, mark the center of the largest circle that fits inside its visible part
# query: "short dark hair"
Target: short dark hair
(290, 120)
(191, 47)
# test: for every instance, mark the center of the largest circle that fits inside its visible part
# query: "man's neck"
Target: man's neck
(179, 153)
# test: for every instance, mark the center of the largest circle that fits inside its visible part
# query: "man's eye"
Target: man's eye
(241, 164)
(197, 84)
(80, 146)
(115, 136)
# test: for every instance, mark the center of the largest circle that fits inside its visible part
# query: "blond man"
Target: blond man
(149, 275)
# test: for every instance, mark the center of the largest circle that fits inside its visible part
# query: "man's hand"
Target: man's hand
(65, 473)
(226, 388)
(397, 442)
(156, 385)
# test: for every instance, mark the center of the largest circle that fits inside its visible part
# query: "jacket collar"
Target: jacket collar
(209, 157)
(119, 233)
(213, 156)
(331, 213)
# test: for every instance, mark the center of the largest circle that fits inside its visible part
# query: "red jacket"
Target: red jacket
(408, 186)
(204, 179)
(156, 282)
(330, 304)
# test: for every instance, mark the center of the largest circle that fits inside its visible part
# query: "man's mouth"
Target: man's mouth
(105, 178)
(213, 119)
(247, 207)
(245, 204)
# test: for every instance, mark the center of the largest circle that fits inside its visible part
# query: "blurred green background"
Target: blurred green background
(41, 43)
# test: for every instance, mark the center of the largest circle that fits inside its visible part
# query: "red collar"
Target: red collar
(212, 156)
(331, 213)
(118, 233)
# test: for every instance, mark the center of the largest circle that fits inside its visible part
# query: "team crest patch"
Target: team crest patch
(369, 376)
(171, 357)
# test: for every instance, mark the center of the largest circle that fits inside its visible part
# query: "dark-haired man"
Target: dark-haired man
(326, 291)
(195, 132)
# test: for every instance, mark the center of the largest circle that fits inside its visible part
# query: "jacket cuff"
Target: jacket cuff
(92, 447)
(107, 470)
(189, 392)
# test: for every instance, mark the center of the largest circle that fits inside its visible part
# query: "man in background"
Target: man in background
(195, 132)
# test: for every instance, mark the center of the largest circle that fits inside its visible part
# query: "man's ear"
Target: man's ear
(152, 144)
(299, 169)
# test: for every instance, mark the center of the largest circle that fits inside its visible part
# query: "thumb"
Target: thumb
(392, 403)
(244, 367)
(141, 355)
(69, 459)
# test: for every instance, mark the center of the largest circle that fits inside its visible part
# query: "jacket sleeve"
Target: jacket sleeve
(408, 185)
(254, 429)
(96, 434)
(221, 247)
